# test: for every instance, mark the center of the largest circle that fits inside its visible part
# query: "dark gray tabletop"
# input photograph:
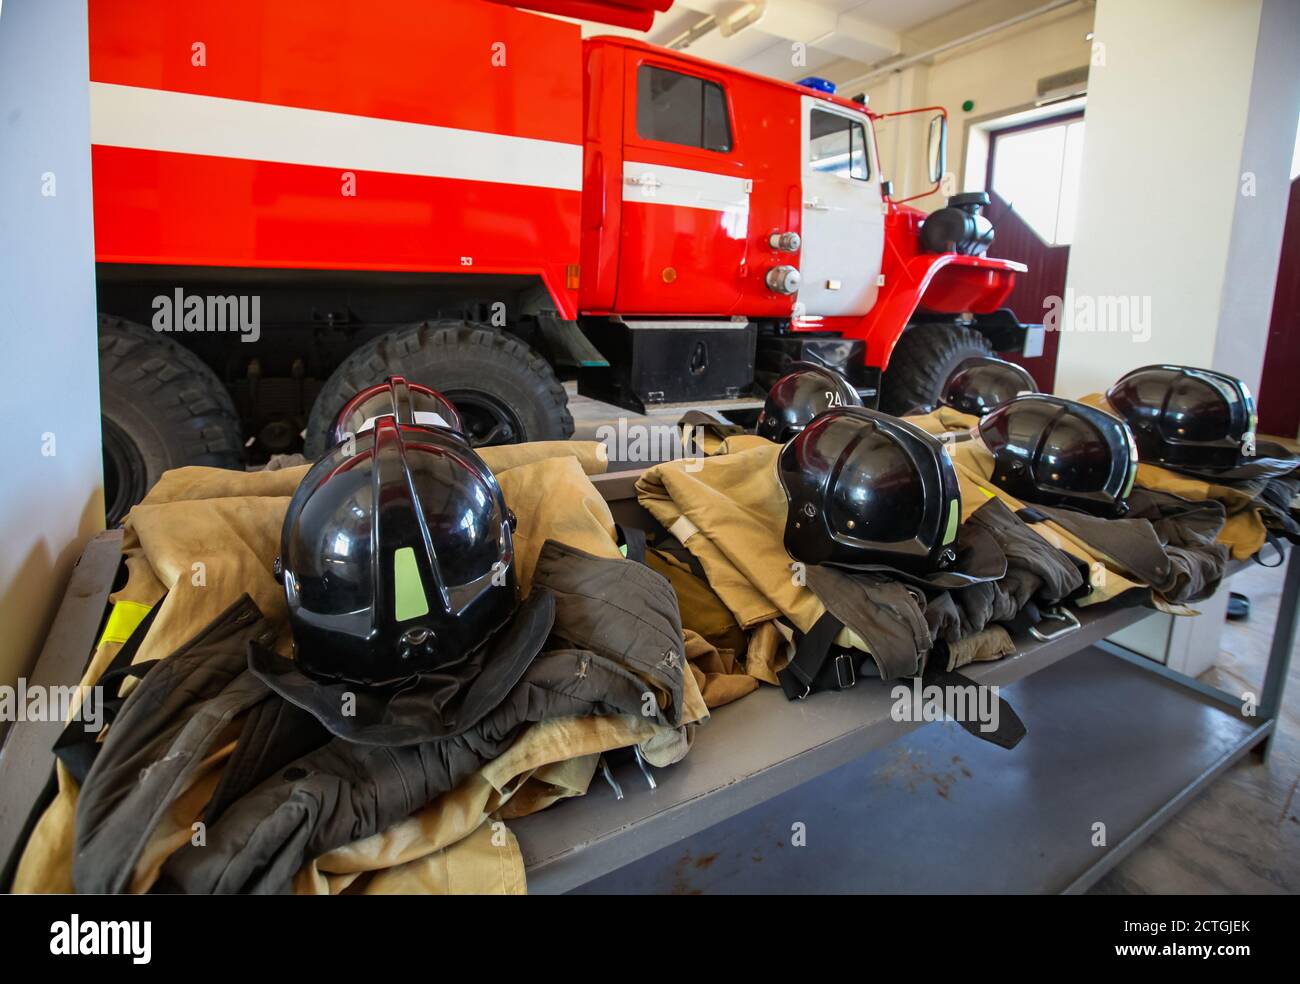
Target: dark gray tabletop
(746, 753)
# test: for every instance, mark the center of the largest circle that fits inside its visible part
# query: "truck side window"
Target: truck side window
(681, 109)
(838, 145)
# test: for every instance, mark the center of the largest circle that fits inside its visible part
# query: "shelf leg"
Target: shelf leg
(1279, 653)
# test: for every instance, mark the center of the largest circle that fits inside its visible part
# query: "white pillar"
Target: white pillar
(1191, 119)
(51, 496)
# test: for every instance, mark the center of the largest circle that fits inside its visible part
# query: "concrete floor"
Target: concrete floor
(1242, 835)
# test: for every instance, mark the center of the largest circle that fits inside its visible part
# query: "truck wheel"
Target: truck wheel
(161, 408)
(923, 360)
(506, 393)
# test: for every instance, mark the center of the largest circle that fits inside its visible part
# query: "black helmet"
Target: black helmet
(865, 488)
(409, 402)
(981, 383)
(1052, 451)
(398, 559)
(1194, 418)
(798, 396)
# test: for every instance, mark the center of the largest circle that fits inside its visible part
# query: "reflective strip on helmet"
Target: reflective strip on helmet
(1132, 464)
(954, 514)
(409, 600)
(122, 621)
(425, 418)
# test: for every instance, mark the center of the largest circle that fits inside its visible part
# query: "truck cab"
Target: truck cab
(712, 194)
(703, 180)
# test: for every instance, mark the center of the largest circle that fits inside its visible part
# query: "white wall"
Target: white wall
(1162, 214)
(51, 497)
(999, 73)
(1259, 220)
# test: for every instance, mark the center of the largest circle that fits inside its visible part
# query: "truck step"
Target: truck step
(718, 406)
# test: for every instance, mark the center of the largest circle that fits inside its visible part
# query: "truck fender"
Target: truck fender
(945, 283)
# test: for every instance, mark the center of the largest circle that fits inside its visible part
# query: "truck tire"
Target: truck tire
(923, 360)
(506, 392)
(160, 408)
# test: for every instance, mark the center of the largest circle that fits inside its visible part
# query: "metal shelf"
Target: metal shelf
(1109, 732)
(938, 811)
(764, 746)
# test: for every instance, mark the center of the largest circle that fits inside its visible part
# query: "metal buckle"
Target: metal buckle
(1056, 615)
(645, 769)
(609, 778)
(844, 669)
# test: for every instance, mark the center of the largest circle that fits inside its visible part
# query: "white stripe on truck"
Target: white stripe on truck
(184, 123)
(658, 184)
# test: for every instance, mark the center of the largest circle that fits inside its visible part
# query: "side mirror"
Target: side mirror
(887, 189)
(937, 150)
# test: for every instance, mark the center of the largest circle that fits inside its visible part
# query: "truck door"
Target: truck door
(685, 193)
(843, 222)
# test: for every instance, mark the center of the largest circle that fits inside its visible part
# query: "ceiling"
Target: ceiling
(845, 35)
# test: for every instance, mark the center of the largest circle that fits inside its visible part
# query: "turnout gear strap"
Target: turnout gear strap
(1010, 729)
(887, 615)
(76, 747)
(818, 665)
(804, 673)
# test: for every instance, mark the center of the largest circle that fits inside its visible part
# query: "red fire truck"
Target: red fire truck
(296, 198)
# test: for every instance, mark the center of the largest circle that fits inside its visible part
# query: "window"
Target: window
(1036, 171)
(838, 145)
(681, 109)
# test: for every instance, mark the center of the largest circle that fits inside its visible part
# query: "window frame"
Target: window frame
(852, 121)
(705, 79)
(1060, 119)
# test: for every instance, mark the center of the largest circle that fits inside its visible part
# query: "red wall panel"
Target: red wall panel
(1015, 240)
(1279, 396)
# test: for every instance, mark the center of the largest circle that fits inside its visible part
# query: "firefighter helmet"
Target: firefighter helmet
(397, 559)
(866, 489)
(799, 396)
(1185, 417)
(980, 383)
(1052, 451)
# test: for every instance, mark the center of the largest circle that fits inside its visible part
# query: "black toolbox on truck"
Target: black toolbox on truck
(778, 351)
(657, 362)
